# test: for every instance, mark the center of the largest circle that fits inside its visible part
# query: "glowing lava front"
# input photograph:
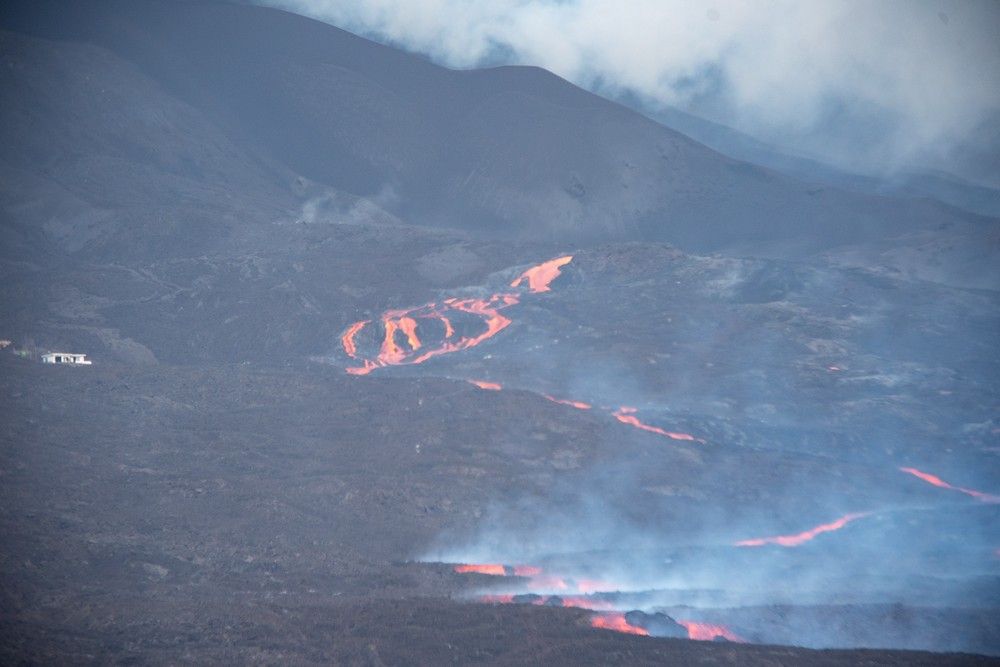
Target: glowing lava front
(805, 536)
(579, 405)
(626, 415)
(708, 632)
(937, 481)
(616, 621)
(484, 384)
(540, 277)
(499, 570)
(402, 342)
(482, 568)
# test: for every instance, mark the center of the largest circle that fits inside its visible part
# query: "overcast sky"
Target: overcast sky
(870, 84)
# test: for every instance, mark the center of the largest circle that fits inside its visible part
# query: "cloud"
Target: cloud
(874, 85)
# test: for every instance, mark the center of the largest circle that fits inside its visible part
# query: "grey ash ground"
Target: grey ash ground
(233, 514)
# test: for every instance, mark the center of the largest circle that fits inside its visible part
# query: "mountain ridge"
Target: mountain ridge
(500, 152)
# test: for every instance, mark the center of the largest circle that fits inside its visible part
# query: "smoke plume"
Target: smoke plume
(870, 86)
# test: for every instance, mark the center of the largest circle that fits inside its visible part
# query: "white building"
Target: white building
(65, 358)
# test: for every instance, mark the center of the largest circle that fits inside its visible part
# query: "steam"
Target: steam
(334, 207)
(774, 502)
(871, 86)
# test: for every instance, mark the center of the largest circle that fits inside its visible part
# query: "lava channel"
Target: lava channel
(805, 536)
(616, 621)
(937, 481)
(414, 335)
(494, 569)
(498, 570)
(486, 384)
(626, 415)
(579, 405)
(540, 277)
(709, 632)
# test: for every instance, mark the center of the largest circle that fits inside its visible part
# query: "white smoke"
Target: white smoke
(870, 85)
(332, 206)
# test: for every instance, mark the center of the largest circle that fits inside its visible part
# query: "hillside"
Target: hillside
(144, 102)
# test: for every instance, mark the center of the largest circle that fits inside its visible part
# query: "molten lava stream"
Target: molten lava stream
(484, 384)
(708, 632)
(540, 277)
(403, 342)
(494, 569)
(347, 340)
(938, 482)
(626, 415)
(805, 536)
(616, 621)
(498, 570)
(579, 405)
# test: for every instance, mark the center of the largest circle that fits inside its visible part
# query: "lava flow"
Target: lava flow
(579, 405)
(498, 570)
(610, 616)
(800, 538)
(616, 621)
(539, 580)
(494, 569)
(937, 481)
(484, 384)
(540, 277)
(402, 342)
(709, 632)
(626, 415)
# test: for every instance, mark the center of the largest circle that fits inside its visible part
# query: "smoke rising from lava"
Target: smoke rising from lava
(663, 529)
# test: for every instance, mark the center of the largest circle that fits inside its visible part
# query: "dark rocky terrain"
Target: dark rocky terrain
(205, 196)
(233, 514)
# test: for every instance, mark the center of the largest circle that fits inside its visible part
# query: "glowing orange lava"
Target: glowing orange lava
(800, 538)
(402, 342)
(347, 340)
(527, 571)
(483, 384)
(540, 277)
(626, 415)
(579, 405)
(708, 631)
(937, 481)
(481, 568)
(616, 621)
